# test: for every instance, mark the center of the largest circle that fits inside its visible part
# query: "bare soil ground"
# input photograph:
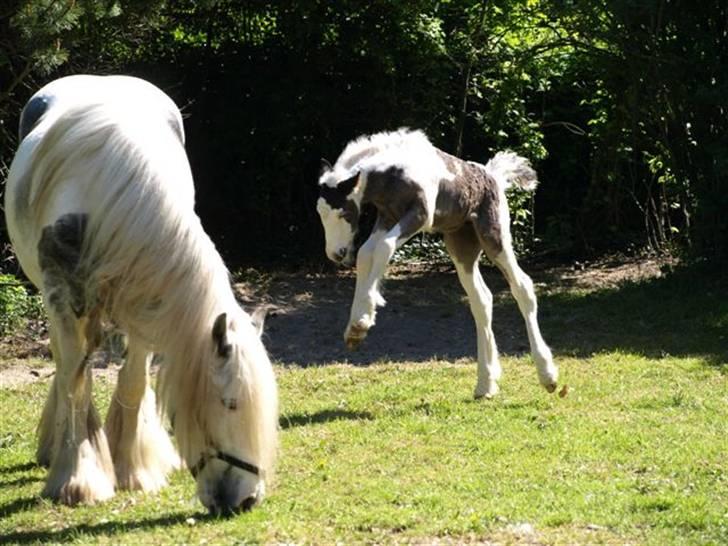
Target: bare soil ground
(426, 317)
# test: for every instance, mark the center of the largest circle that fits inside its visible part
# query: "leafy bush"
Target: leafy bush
(16, 304)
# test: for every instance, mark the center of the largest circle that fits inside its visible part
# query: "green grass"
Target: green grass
(399, 452)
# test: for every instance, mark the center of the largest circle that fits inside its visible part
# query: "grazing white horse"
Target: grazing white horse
(417, 187)
(99, 207)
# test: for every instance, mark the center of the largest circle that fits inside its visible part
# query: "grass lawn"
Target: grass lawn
(399, 452)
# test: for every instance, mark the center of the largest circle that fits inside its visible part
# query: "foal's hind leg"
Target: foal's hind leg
(464, 249)
(500, 252)
(80, 463)
(142, 451)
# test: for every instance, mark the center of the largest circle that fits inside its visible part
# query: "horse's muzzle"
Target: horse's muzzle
(225, 506)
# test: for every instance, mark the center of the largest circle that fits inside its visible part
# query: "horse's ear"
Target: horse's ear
(349, 184)
(325, 166)
(219, 336)
(258, 319)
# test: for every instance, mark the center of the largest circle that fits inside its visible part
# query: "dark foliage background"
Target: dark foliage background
(621, 104)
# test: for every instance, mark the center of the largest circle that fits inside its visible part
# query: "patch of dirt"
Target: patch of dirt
(426, 317)
(16, 374)
(608, 272)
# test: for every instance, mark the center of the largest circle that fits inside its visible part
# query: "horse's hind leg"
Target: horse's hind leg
(498, 248)
(71, 438)
(47, 425)
(142, 451)
(77, 451)
(464, 249)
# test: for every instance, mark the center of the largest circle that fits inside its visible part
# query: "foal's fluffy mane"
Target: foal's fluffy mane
(146, 259)
(366, 152)
(366, 147)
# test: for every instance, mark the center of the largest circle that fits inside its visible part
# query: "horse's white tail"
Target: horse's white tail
(509, 168)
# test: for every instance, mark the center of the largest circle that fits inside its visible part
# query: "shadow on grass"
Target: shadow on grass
(22, 480)
(683, 313)
(19, 467)
(18, 505)
(105, 529)
(324, 416)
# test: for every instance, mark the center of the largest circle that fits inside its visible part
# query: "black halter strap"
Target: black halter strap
(229, 459)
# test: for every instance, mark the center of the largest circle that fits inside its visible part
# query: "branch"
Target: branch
(17, 81)
(572, 128)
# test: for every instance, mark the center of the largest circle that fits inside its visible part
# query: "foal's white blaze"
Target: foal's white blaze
(339, 233)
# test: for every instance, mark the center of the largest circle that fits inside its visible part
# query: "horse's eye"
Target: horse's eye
(230, 403)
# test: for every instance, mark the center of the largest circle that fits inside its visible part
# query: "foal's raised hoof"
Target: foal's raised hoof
(355, 334)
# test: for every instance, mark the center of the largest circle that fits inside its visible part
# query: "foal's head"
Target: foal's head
(226, 425)
(338, 206)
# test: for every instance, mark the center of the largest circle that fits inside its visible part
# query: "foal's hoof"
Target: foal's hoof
(487, 391)
(354, 335)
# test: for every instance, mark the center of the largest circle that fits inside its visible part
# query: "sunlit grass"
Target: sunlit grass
(400, 452)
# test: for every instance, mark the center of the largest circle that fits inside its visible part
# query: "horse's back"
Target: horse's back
(84, 137)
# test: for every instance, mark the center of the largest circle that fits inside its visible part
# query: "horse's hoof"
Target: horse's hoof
(355, 334)
(551, 387)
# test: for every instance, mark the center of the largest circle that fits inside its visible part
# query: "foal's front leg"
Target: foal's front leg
(362, 308)
(374, 257)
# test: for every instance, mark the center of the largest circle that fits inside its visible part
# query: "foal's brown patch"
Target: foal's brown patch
(470, 196)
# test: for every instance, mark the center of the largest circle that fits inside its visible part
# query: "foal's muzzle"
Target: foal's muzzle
(343, 257)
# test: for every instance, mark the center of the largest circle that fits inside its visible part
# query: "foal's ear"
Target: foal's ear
(219, 336)
(325, 166)
(258, 319)
(349, 184)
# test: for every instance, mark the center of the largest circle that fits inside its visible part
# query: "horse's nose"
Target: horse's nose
(248, 503)
(340, 254)
(225, 504)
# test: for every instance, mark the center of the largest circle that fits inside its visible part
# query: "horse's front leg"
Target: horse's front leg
(142, 451)
(372, 262)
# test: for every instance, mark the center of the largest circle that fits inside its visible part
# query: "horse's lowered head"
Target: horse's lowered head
(228, 435)
(339, 207)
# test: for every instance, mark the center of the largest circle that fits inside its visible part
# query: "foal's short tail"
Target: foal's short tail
(508, 168)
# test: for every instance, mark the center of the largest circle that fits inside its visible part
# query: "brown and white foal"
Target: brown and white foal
(416, 187)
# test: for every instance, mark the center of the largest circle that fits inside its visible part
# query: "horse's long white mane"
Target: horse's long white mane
(146, 257)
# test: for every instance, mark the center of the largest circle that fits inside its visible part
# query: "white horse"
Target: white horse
(99, 207)
(416, 187)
